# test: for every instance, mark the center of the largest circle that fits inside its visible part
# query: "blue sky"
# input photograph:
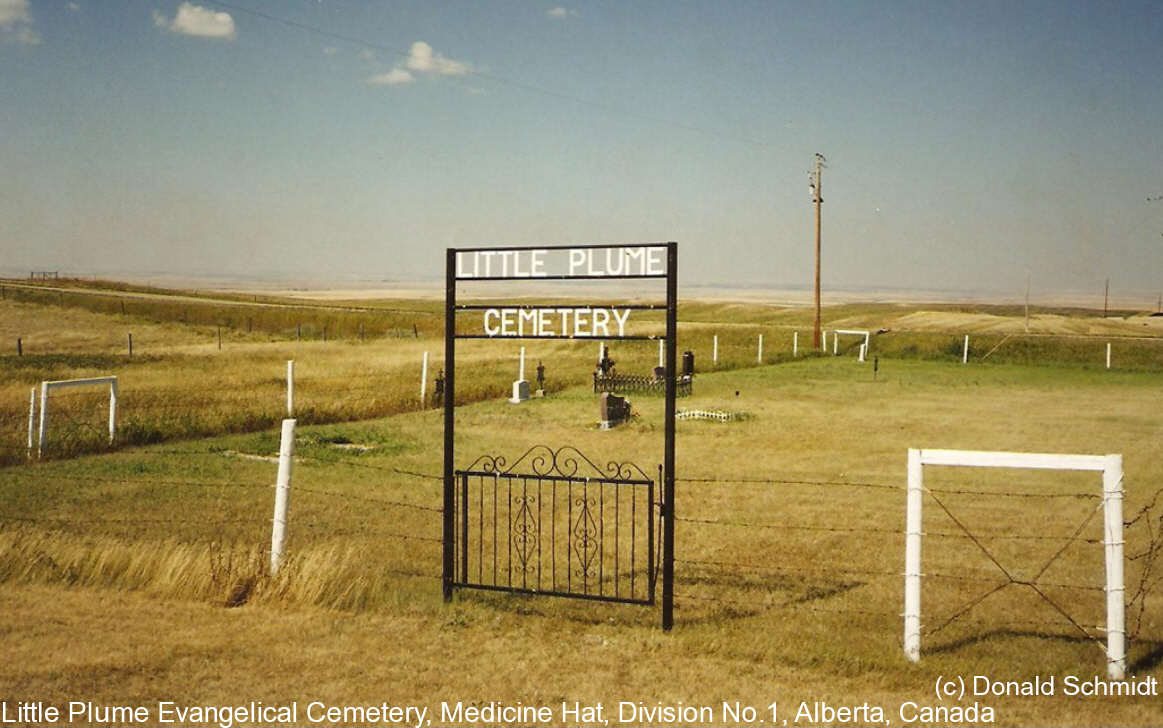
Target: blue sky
(968, 143)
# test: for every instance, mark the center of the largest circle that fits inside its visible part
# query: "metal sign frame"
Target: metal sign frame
(451, 308)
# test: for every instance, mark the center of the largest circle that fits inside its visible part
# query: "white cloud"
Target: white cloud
(367, 54)
(561, 12)
(423, 59)
(74, 6)
(197, 21)
(16, 23)
(13, 12)
(395, 77)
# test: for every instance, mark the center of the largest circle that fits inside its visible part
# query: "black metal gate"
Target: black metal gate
(548, 491)
(555, 523)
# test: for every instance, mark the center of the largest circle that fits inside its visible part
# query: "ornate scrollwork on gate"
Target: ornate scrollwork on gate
(586, 539)
(566, 461)
(524, 534)
(555, 522)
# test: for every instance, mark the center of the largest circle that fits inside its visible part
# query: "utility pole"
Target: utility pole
(816, 186)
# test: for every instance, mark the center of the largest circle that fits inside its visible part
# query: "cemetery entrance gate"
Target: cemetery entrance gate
(554, 522)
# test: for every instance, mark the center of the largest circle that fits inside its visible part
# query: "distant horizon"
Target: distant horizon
(362, 286)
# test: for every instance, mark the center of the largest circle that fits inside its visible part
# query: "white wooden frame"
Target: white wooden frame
(1111, 467)
(48, 386)
(849, 332)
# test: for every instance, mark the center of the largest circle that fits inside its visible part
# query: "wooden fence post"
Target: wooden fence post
(282, 494)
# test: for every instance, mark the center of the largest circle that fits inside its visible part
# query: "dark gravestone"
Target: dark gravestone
(613, 410)
(688, 363)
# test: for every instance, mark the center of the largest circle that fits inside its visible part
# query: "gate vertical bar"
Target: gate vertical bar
(912, 615)
(668, 455)
(449, 423)
(112, 410)
(43, 426)
(1116, 629)
(464, 528)
(31, 418)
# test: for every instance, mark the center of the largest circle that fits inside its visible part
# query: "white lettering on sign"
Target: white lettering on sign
(501, 264)
(585, 322)
(610, 262)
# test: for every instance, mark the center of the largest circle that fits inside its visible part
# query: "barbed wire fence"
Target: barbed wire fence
(843, 570)
(822, 585)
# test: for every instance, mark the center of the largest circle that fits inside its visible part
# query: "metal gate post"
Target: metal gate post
(668, 456)
(449, 421)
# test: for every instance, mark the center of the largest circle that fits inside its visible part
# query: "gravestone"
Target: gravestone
(540, 380)
(612, 410)
(521, 385)
(520, 391)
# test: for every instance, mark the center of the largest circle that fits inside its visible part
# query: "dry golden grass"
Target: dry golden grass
(791, 593)
(123, 547)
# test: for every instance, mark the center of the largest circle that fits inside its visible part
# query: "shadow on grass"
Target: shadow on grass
(1149, 660)
(1000, 634)
(693, 610)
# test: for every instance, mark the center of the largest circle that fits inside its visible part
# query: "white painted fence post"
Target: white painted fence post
(835, 344)
(824, 340)
(282, 494)
(1116, 633)
(31, 417)
(43, 420)
(965, 350)
(424, 380)
(1108, 355)
(795, 343)
(759, 357)
(112, 410)
(863, 351)
(715, 351)
(521, 371)
(290, 387)
(912, 615)
(661, 357)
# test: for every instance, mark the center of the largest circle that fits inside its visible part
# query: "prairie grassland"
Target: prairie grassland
(789, 548)
(180, 384)
(357, 362)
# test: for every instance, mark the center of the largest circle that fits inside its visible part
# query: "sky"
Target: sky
(969, 144)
